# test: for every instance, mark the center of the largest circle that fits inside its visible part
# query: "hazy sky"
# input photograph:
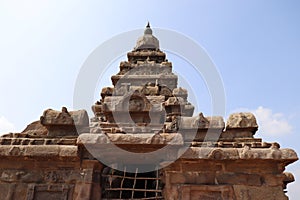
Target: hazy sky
(255, 46)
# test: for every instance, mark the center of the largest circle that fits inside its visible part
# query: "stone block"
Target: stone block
(65, 123)
(238, 179)
(193, 122)
(64, 117)
(209, 192)
(201, 166)
(258, 167)
(173, 139)
(242, 120)
(273, 179)
(35, 129)
(243, 192)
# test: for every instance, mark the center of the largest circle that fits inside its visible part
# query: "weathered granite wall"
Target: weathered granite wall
(65, 170)
(40, 171)
(226, 178)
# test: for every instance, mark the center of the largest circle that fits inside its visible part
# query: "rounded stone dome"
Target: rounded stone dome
(147, 41)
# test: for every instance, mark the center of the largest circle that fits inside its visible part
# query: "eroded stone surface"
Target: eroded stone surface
(35, 128)
(64, 117)
(241, 120)
(65, 123)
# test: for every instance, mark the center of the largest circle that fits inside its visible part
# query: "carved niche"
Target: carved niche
(45, 191)
(207, 192)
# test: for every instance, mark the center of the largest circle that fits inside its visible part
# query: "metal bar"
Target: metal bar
(147, 198)
(130, 177)
(122, 181)
(156, 186)
(133, 178)
(137, 190)
(145, 193)
(134, 182)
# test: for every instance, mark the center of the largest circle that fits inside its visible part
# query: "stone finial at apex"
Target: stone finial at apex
(148, 29)
(147, 41)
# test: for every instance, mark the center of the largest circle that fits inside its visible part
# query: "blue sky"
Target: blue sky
(254, 44)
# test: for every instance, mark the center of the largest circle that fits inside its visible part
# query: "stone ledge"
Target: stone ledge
(44, 151)
(38, 141)
(245, 153)
(144, 139)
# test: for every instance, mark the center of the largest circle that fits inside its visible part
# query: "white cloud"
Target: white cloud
(5, 126)
(272, 124)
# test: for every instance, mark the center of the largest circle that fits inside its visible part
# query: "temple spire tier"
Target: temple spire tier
(144, 92)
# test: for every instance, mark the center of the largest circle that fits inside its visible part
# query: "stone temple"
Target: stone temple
(143, 142)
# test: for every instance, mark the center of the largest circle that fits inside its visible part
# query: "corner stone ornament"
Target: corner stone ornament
(143, 142)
